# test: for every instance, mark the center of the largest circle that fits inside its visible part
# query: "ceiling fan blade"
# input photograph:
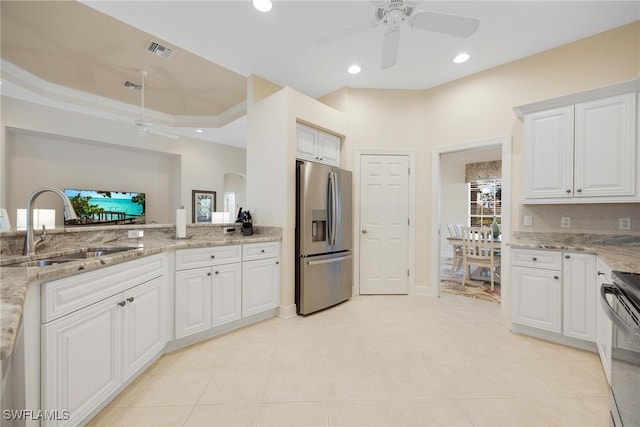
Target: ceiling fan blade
(453, 25)
(347, 32)
(390, 47)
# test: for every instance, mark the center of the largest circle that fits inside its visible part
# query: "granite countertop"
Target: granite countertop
(14, 281)
(621, 253)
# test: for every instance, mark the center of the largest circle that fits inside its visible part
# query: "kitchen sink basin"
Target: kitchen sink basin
(92, 253)
(39, 263)
(61, 259)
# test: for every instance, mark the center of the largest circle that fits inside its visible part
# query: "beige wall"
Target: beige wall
(481, 107)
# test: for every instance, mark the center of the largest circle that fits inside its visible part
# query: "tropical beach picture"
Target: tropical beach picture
(107, 207)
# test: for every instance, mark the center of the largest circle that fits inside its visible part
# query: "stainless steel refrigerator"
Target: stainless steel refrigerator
(324, 236)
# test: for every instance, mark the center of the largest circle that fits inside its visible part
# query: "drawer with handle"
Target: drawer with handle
(253, 251)
(204, 257)
(538, 258)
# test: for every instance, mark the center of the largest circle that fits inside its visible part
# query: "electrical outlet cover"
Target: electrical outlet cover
(528, 220)
(565, 222)
(624, 223)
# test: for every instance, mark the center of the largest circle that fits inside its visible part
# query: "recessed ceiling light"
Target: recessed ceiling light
(262, 5)
(199, 130)
(462, 57)
(354, 69)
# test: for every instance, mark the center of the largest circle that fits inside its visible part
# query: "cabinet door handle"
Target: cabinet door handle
(568, 191)
(209, 274)
(579, 190)
(556, 277)
(122, 303)
(534, 259)
(217, 272)
(600, 273)
(262, 251)
(277, 262)
(130, 299)
(213, 256)
(567, 256)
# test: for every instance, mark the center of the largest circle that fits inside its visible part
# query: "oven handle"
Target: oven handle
(611, 313)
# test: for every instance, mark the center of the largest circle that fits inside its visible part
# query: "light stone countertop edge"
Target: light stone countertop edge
(15, 281)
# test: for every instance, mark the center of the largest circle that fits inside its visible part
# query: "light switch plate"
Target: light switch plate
(565, 222)
(528, 220)
(624, 223)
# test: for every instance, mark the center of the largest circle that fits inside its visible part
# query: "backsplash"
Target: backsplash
(585, 218)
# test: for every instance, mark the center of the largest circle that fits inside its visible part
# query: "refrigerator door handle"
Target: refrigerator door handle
(330, 260)
(333, 190)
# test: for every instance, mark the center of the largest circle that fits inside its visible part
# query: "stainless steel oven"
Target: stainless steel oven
(624, 312)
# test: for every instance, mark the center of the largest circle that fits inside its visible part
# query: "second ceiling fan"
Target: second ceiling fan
(393, 14)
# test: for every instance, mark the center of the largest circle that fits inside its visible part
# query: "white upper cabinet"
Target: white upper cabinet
(317, 146)
(584, 152)
(605, 147)
(548, 153)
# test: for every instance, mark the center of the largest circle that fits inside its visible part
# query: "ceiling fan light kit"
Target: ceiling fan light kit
(393, 14)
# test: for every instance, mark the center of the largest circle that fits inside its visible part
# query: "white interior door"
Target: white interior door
(384, 224)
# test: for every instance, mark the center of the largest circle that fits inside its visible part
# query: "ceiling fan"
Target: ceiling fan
(141, 124)
(393, 14)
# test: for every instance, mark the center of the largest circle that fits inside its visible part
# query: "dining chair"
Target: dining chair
(477, 250)
(457, 247)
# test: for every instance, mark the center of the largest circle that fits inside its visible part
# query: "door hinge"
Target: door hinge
(408, 171)
(409, 221)
(407, 273)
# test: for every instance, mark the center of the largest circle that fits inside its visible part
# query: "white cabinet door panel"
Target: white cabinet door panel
(81, 360)
(604, 329)
(579, 296)
(260, 286)
(605, 144)
(307, 138)
(329, 149)
(548, 153)
(193, 301)
(537, 298)
(226, 294)
(143, 334)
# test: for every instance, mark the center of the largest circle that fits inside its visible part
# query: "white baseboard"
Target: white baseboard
(287, 311)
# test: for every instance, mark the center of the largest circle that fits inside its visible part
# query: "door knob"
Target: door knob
(364, 231)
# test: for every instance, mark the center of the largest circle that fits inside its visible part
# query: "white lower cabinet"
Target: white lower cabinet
(143, 319)
(227, 294)
(89, 353)
(604, 327)
(555, 291)
(81, 359)
(579, 296)
(260, 285)
(193, 301)
(228, 283)
(211, 295)
(537, 298)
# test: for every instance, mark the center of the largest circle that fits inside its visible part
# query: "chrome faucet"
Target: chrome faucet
(69, 214)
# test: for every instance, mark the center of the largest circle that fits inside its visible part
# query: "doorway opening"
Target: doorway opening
(472, 183)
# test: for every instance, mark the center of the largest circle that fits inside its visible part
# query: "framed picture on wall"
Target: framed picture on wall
(203, 205)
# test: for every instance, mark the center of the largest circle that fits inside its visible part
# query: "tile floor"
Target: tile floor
(372, 361)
